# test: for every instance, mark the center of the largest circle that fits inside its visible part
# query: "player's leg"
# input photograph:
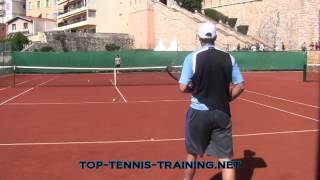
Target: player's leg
(190, 172)
(221, 142)
(227, 173)
(198, 132)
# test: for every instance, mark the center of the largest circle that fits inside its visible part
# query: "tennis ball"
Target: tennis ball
(152, 139)
(113, 100)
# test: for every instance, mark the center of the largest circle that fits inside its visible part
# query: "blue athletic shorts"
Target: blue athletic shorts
(209, 131)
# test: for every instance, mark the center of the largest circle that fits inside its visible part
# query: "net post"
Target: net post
(14, 76)
(114, 76)
(305, 66)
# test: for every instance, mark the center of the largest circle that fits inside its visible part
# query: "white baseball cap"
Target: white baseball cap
(207, 31)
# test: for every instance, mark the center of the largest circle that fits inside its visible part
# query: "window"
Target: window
(14, 27)
(30, 5)
(38, 4)
(25, 25)
(92, 13)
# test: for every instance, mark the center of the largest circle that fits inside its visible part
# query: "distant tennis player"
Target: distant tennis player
(117, 61)
(213, 78)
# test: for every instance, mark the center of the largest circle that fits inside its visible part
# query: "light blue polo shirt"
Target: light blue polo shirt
(188, 70)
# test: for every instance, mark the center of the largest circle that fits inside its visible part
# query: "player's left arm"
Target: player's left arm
(238, 85)
(185, 85)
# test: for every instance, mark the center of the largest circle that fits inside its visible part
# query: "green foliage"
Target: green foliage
(18, 41)
(47, 49)
(232, 22)
(190, 5)
(112, 47)
(243, 29)
(216, 15)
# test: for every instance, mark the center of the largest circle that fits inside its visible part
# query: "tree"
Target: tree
(191, 5)
(18, 41)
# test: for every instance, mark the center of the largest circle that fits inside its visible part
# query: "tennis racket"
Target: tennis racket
(174, 72)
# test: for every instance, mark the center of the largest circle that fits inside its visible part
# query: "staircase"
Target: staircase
(227, 36)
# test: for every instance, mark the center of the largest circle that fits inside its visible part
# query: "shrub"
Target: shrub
(112, 47)
(232, 22)
(216, 15)
(18, 41)
(47, 49)
(243, 29)
(190, 5)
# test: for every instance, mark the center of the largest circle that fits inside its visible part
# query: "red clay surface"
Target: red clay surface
(275, 127)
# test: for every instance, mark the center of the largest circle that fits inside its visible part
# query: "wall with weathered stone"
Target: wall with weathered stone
(313, 57)
(290, 21)
(70, 41)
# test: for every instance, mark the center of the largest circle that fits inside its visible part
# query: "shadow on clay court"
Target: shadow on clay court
(248, 164)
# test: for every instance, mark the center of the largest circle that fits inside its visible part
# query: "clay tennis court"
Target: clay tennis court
(46, 131)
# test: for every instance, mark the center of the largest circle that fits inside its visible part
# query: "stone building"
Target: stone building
(43, 9)
(153, 22)
(291, 22)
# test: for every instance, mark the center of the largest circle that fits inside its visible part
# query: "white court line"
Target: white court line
(16, 96)
(2, 89)
(156, 101)
(26, 81)
(46, 82)
(277, 132)
(96, 102)
(4, 102)
(150, 140)
(278, 109)
(283, 99)
(122, 96)
(270, 75)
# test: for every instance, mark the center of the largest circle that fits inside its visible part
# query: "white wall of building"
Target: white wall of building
(12, 9)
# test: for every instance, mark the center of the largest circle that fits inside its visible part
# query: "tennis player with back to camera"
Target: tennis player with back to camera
(213, 78)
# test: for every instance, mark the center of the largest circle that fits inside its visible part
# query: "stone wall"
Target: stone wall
(289, 21)
(313, 57)
(70, 41)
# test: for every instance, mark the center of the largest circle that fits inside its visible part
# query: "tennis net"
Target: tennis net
(6, 76)
(311, 73)
(36, 76)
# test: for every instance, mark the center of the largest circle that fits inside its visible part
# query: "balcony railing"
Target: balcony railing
(72, 8)
(2, 13)
(61, 1)
(73, 21)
